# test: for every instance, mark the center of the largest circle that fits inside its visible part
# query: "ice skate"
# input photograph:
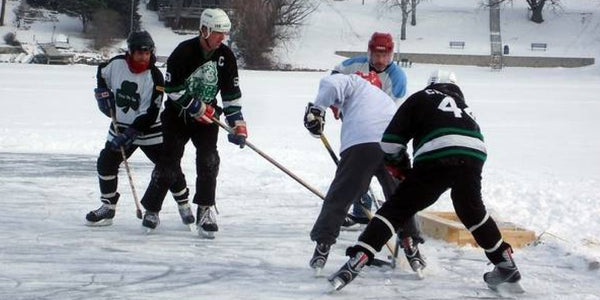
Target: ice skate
(207, 222)
(102, 216)
(413, 255)
(187, 217)
(505, 276)
(150, 221)
(348, 271)
(319, 258)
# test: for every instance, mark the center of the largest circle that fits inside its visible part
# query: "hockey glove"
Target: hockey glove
(237, 123)
(314, 120)
(124, 139)
(201, 112)
(105, 99)
(397, 164)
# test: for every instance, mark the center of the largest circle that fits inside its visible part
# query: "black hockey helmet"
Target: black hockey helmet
(140, 40)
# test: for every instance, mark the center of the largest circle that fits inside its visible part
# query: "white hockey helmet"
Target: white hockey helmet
(215, 19)
(441, 76)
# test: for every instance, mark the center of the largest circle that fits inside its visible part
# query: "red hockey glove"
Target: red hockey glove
(241, 133)
(201, 112)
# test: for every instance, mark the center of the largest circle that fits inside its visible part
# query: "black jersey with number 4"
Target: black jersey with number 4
(194, 73)
(440, 124)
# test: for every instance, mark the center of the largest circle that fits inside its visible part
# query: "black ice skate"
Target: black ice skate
(413, 255)
(319, 258)
(185, 212)
(102, 216)
(505, 277)
(207, 222)
(151, 220)
(348, 271)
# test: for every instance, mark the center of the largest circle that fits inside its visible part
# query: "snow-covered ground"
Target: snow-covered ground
(540, 126)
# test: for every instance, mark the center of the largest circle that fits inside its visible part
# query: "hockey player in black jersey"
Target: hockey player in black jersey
(448, 153)
(197, 70)
(129, 88)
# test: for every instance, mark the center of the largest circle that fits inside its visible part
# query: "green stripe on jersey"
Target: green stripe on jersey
(393, 139)
(174, 89)
(452, 152)
(449, 130)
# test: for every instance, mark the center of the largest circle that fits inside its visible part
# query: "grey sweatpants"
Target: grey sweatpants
(358, 164)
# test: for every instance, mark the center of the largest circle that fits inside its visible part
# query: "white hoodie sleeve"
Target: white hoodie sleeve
(333, 90)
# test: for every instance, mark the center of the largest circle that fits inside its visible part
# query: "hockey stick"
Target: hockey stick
(138, 206)
(271, 160)
(365, 210)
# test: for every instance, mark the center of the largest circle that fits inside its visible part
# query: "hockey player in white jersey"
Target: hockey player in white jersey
(379, 59)
(129, 89)
(367, 110)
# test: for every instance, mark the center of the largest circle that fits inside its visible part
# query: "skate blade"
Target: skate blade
(104, 222)
(337, 284)
(192, 227)
(209, 235)
(418, 268)
(318, 271)
(420, 274)
(508, 288)
(148, 230)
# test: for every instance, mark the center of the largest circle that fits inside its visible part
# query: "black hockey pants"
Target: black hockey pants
(178, 129)
(357, 166)
(108, 168)
(423, 185)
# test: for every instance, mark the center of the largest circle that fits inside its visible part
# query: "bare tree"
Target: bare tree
(406, 7)
(178, 10)
(413, 12)
(105, 27)
(2, 11)
(262, 24)
(536, 7)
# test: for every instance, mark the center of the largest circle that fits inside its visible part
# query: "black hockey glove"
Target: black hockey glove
(124, 139)
(397, 164)
(105, 99)
(314, 120)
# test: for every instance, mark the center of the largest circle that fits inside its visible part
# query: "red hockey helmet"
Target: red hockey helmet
(371, 77)
(381, 42)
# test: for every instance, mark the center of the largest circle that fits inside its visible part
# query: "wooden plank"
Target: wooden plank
(446, 226)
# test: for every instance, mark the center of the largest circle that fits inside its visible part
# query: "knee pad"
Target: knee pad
(163, 176)
(207, 164)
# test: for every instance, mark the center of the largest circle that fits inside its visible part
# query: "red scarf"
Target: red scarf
(136, 67)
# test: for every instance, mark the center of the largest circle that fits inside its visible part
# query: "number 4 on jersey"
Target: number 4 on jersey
(449, 105)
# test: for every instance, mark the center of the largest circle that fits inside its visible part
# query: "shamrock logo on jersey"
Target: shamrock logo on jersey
(202, 84)
(127, 96)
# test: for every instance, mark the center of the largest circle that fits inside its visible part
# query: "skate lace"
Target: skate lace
(103, 210)
(185, 210)
(208, 217)
(151, 217)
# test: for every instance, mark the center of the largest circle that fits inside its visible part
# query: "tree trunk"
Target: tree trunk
(536, 10)
(413, 12)
(178, 9)
(404, 8)
(2, 12)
